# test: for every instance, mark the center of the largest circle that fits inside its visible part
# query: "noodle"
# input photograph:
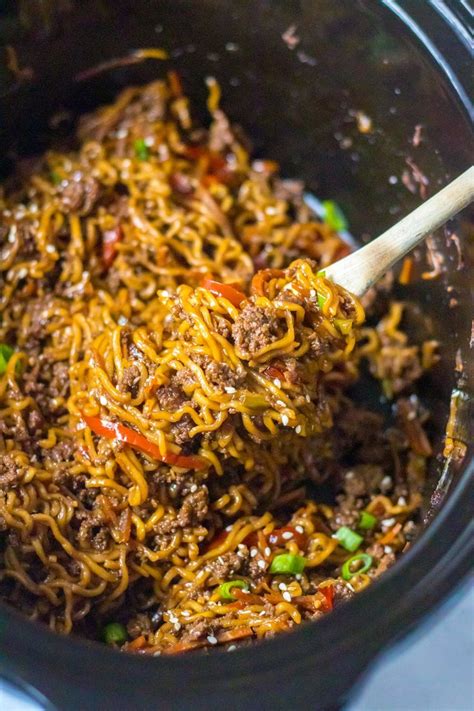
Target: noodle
(174, 375)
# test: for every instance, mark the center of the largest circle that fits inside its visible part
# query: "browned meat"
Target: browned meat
(170, 397)
(93, 533)
(363, 480)
(181, 429)
(342, 593)
(79, 195)
(138, 625)
(225, 565)
(197, 630)
(61, 452)
(219, 375)
(255, 328)
(130, 380)
(10, 473)
(194, 508)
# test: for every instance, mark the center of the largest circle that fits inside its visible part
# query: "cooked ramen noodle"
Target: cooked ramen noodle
(181, 461)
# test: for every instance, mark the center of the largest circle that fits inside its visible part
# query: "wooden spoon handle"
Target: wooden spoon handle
(360, 270)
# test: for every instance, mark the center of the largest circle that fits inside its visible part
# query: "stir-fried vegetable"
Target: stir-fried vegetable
(115, 633)
(226, 290)
(288, 564)
(347, 569)
(117, 431)
(348, 539)
(6, 353)
(225, 590)
(367, 521)
(333, 216)
(141, 149)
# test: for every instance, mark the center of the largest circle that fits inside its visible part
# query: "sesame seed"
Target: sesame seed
(277, 382)
(229, 389)
(280, 403)
(402, 501)
(185, 613)
(308, 399)
(261, 564)
(287, 535)
(312, 293)
(388, 522)
(193, 488)
(103, 400)
(298, 576)
(12, 233)
(231, 647)
(282, 586)
(122, 321)
(284, 420)
(299, 528)
(211, 639)
(50, 249)
(286, 596)
(388, 549)
(267, 551)
(22, 273)
(253, 552)
(177, 626)
(298, 429)
(350, 587)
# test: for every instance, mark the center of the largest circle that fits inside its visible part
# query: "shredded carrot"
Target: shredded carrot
(406, 272)
(390, 535)
(137, 643)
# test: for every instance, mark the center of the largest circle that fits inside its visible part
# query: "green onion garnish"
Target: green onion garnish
(287, 564)
(321, 273)
(367, 520)
(321, 300)
(55, 177)
(333, 216)
(6, 353)
(115, 633)
(344, 325)
(141, 149)
(225, 590)
(347, 573)
(349, 539)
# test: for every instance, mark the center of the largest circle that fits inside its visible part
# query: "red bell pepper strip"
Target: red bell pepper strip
(109, 245)
(117, 431)
(226, 290)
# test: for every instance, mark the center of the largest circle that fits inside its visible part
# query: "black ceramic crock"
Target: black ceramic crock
(403, 64)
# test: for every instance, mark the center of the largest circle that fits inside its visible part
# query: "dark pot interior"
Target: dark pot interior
(297, 105)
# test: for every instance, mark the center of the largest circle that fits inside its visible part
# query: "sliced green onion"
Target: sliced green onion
(347, 573)
(321, 300)
(349, 539)
(6, 353)
(115, 633)
(287, 564)
(55, 177)
(321, 273)
(367, 520)
(225, 590)
(344, 325)
(141, 149)
(334, 216)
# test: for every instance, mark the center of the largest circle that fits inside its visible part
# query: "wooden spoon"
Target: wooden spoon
(362, 269)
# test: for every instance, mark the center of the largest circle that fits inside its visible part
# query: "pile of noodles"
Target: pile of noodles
(113, 257)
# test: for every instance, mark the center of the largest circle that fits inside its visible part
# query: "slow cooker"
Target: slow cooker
(404, 64)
